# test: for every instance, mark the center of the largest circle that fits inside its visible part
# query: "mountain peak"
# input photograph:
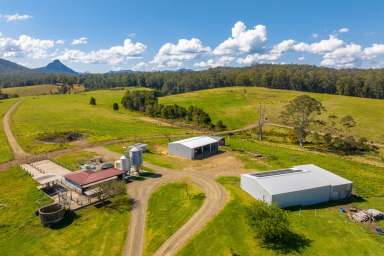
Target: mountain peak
(56, 66)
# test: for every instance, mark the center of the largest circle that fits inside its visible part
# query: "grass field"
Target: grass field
(168, 209)
(73, 160)
(238, 107)
(94, 231)
(64, 113)
(34, 90)
(322, 231)
(5, 150)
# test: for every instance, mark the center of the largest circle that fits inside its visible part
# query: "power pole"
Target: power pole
(261, 121)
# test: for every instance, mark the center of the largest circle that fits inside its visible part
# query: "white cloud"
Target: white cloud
(348, 56)
(174, 55)
(321, 47)
(81, 40)
(60, 41)
(243, 40)
(213, 63)
(25, 46)
(269, 56)
(115, 55)
(374, 51)
(16, 17)
(343, 30)
(301, 58)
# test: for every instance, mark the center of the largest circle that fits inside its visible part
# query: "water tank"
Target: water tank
(125, 165)
(136, 156)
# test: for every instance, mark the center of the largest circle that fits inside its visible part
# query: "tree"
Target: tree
(111, 188)
(92, 101)
(299, 113)
(115, 106)
(348, 122)
(261, 121)
(269, 222)
(220, 125)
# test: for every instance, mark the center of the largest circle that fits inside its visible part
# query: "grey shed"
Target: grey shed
(299, 185)
(196, 147)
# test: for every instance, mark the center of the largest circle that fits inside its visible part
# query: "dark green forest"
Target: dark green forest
(352, 82)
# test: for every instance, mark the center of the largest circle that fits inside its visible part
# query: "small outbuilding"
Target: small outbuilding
(82, 181)
(196, 147)
(297, 186)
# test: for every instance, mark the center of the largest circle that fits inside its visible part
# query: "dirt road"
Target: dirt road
(216, 198)
(18, 152)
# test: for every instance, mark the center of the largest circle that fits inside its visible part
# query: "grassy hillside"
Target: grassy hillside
(43, 115)
(320, 230)
(168, 209)
(94, 231)
(5, 150)
(237, 107)
(35, 90)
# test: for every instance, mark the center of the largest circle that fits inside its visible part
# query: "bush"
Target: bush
(115, 106)
(268, 221)
(92, 101)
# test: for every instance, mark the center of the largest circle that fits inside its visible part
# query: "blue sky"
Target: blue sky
(99, 36)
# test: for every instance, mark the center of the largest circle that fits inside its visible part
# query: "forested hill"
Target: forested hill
(353, 82)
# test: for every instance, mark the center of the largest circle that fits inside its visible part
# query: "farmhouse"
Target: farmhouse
(83, 181)
(299, 185)
(196, 147)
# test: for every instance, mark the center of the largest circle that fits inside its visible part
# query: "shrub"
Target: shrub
(268, 221)
(115, 106)
(92, 101)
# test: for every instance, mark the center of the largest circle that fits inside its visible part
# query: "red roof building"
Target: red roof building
(84, 179)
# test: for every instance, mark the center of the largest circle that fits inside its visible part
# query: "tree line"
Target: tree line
(147, 102)
(352, 82)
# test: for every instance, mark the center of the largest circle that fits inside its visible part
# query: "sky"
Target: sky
(99, 36)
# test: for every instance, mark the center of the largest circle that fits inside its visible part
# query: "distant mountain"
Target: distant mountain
(9, 67)
(56, 67)
(124, 71)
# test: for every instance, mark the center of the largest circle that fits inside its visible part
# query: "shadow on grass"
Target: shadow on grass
(68, 219)
(350, 200)
(292, 242)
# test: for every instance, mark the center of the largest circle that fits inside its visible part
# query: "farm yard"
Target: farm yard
(319, 230)
(96, 231)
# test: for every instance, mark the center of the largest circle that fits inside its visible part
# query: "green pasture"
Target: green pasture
(168, 209)
(42, 115)
(238, 107)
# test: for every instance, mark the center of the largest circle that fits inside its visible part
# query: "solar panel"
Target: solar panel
(278, 172)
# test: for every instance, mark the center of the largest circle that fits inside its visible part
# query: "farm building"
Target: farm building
(299, 185)
(82, 181)
(196, 147)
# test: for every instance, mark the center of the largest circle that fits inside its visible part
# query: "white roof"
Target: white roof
(298, 178)
(196, 142)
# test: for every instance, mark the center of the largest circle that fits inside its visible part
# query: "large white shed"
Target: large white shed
(196, 147)
(299, 185)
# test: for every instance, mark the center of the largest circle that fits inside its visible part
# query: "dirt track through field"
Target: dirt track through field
(215, 199)
(18, 152)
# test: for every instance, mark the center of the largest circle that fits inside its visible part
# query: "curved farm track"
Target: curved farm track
(18, 152)
(215, 199)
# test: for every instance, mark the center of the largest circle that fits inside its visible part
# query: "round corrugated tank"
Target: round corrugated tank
(125, 165)
(51, 214)
(136, 156)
